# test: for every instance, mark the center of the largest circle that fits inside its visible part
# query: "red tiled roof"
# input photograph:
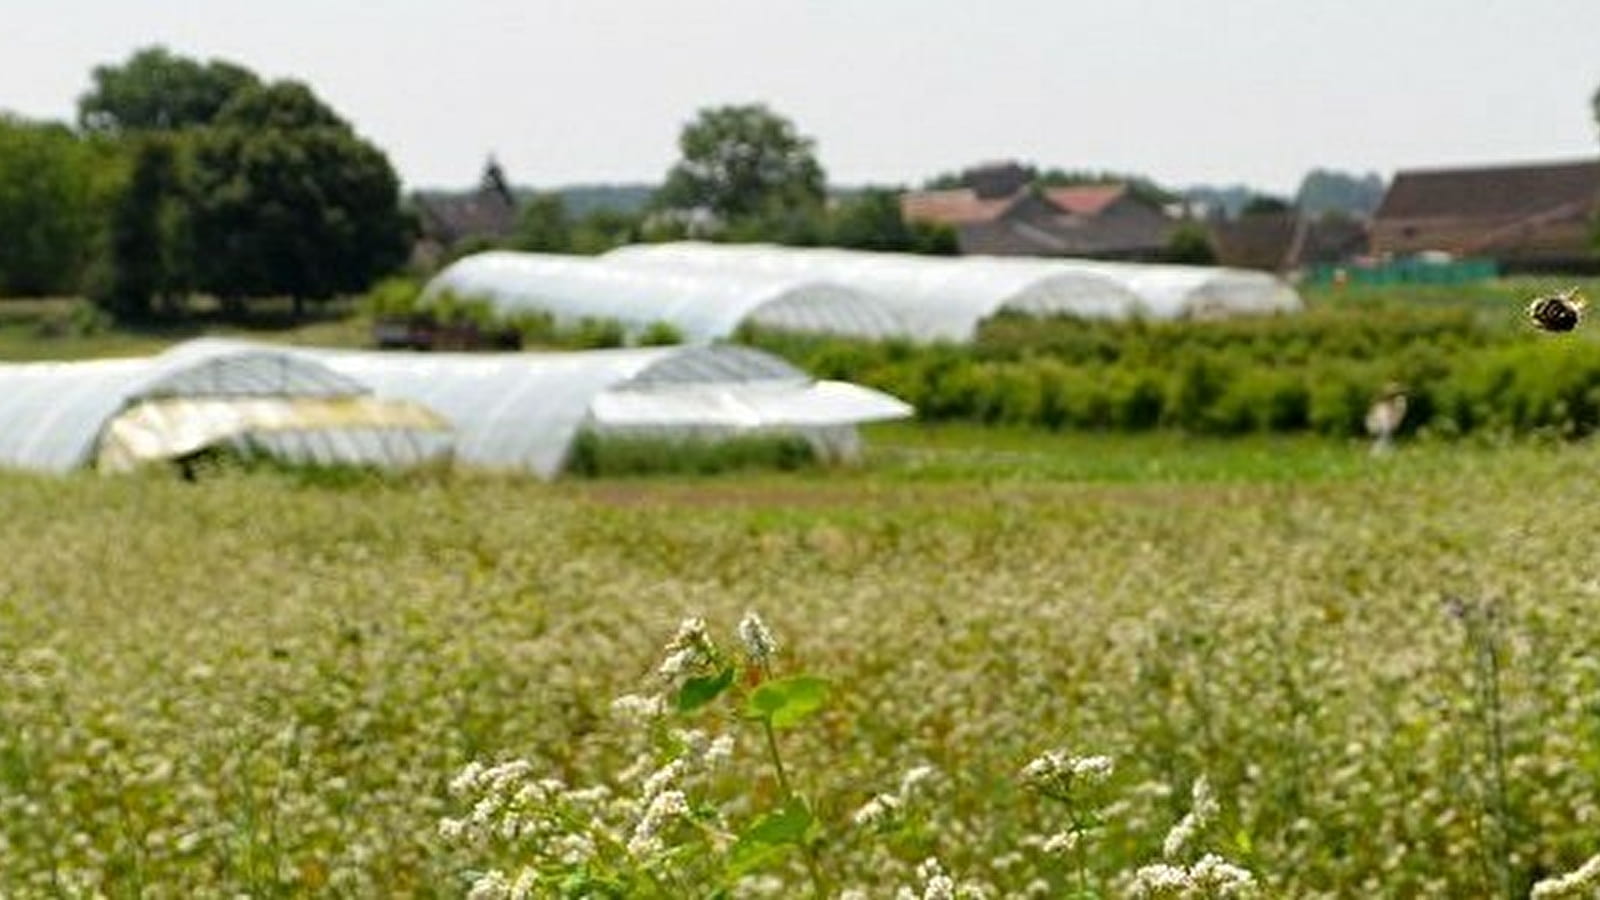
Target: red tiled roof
(961, 206)
(1085, 199)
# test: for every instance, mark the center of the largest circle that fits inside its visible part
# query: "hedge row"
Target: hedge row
(1319, 372)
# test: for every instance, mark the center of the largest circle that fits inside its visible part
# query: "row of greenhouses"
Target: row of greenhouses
(707, 292)
(513, 412)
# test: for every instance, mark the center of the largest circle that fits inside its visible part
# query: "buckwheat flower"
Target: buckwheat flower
(452, 830)
(914, 778)
(720, 751)
(877, 811)
(1062, 843)
(1216, 877)
(667, 806)
(467, 779)
(663, 778)
(574, 849)
(1043, 767)
(1056, 771)
(639, 707)
(1092, 769)
(678, 662)
(1159, 880)
(936, 884)
(691, 632)
(1202, 810)
(758, 641)
(696, 743)
(1583, 881)
(491, 885)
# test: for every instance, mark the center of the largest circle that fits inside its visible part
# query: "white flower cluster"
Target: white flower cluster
(664, 809)
(511, 803)
(1062, 843)
(1209, 877)
(1582, 882)
(1058, 773)
(936, 884)
(687, 650)
(1203, 809)
(885, 809)
(758, 642)
(640, 708)
(496, 885)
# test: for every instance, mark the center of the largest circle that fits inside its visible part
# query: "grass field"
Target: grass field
(257, 685)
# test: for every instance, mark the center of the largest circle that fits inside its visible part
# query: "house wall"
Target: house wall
(1503, 238)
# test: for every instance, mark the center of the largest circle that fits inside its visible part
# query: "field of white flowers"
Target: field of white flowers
(1380, 684)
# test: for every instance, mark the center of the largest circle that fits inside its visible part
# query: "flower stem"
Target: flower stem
(819, 885)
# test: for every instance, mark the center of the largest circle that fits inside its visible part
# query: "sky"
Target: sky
(892, 91)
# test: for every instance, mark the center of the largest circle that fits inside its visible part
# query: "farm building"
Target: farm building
(946, 298)
(703, 306)
(525, 411)
(115, 414)
(1523, 217)
(998, 211)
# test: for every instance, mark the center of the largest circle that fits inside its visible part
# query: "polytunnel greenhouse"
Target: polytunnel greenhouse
(947, 298)
(525, 411)
(116, 414)
(702, 306)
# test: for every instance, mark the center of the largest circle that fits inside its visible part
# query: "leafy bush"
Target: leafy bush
(598, 455)
(1318, 371)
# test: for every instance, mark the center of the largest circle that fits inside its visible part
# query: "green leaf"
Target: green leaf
(787, 701)
(770, 835)
(698, 691)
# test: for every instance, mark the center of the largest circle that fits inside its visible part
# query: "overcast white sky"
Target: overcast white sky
(1186, 91)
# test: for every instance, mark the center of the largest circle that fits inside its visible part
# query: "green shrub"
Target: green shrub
(597, 455)
(660, 334)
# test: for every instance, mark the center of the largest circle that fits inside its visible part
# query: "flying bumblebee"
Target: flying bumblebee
(1557, 312)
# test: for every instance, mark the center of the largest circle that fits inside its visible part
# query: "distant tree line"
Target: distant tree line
(185, 177)
(745, 175)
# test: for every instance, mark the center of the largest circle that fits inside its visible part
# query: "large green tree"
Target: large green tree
(286, 199)
(872, 220)
(743, 161)
(147, 249)
(156, 90)
(52, 184)
(544, 225)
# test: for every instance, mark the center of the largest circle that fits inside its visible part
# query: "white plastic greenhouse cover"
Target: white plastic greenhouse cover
(1172, 291)
(522, 411)
(53, 416)
(703, 306)
(940, 298)
(946, 298)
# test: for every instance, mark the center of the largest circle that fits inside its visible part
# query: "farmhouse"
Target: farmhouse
(1526, 217)
(1000, 213)
(1286, 241)
(448, 220)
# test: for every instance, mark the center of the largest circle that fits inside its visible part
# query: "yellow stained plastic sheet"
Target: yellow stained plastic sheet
(173, 427)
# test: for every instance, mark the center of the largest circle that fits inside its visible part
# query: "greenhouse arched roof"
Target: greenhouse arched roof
(703, 306)
(947, 297)
(523, 411)
(1173, 291)
(59, 416)
(941, 298)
